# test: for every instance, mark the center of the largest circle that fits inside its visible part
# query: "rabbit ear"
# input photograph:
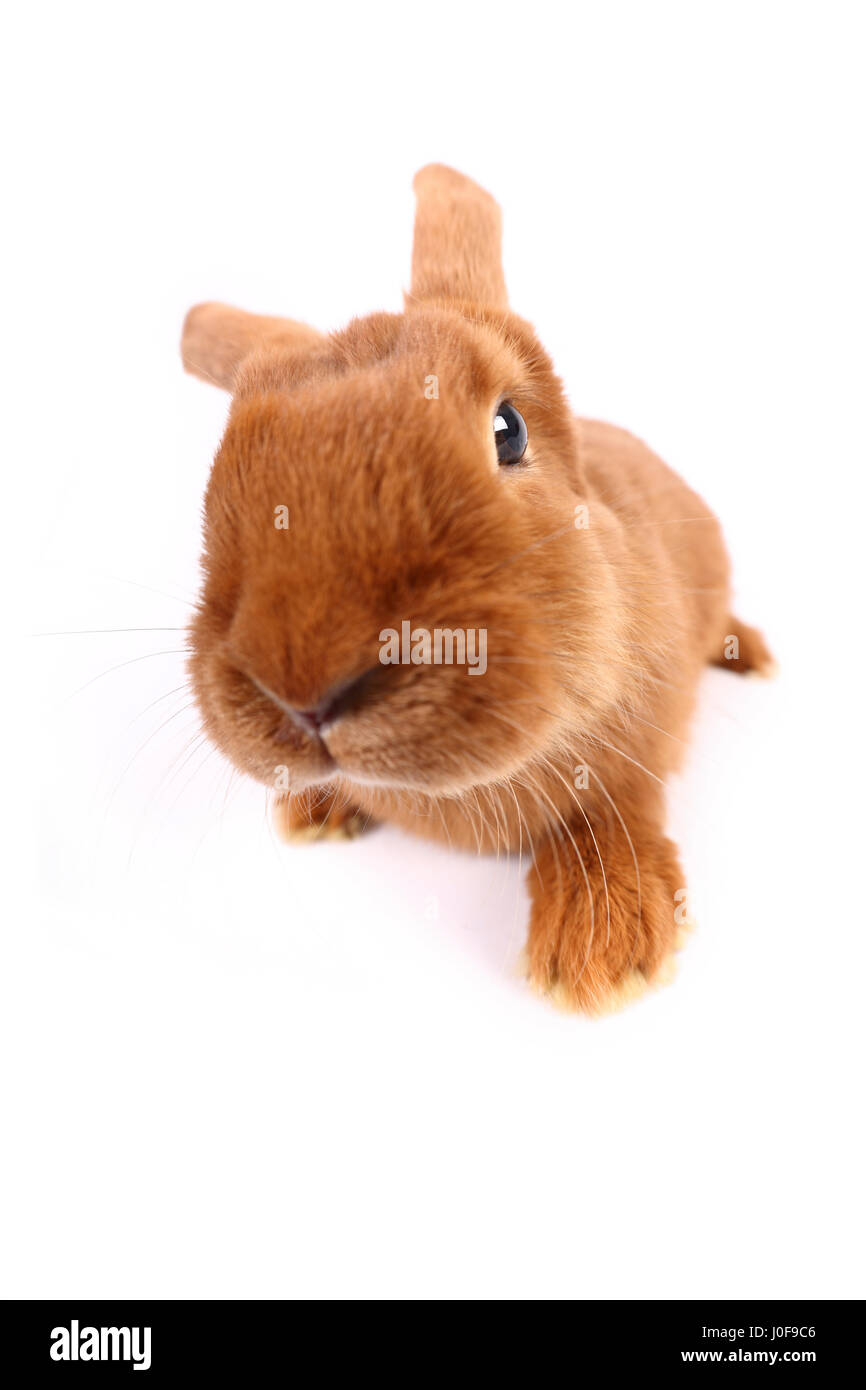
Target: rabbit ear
(217, 338)
(457, 249)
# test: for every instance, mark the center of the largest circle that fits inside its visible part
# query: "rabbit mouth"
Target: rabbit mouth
(437, 729)
(315, 745)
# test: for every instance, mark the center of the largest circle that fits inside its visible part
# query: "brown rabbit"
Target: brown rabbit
(433, 597)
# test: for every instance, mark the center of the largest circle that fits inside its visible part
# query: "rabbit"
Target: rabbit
(423, 473)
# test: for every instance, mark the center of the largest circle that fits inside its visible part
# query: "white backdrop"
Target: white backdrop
(232, 1068)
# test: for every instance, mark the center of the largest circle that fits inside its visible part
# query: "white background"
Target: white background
(232, 1068)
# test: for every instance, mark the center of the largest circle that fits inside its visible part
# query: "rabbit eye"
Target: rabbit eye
(509, 431)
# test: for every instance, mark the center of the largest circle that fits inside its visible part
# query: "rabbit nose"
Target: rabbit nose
(337, 701)
(311, 721)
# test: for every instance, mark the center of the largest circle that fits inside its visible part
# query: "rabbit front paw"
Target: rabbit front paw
(599, 937)
(320, 814)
